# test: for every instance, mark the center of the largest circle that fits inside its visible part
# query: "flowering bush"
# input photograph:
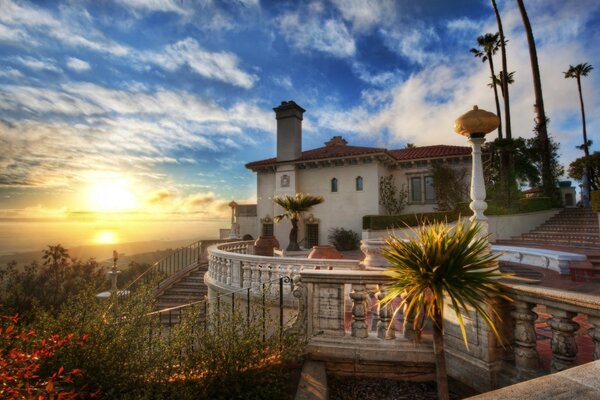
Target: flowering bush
(23, 362)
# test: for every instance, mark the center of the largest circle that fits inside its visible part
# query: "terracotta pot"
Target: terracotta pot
(325, 252)
(263, 246)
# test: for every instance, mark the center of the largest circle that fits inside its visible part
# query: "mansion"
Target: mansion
(347, 177)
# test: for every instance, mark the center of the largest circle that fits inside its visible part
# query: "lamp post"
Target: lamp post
(233, 232)
(114, 273)
(475, 124)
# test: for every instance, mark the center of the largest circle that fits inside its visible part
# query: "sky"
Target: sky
(154, 106)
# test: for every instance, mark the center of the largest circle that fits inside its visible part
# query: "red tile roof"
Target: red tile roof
(337, 148)
(440, 150)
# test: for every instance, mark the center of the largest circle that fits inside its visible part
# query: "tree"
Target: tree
(591, 165)
(499, 81)
(488, 46)
(541, 121)
(294, 207)
(443, 262)
(577, 72)
(503, 82)
(449, 185)
(391, 198)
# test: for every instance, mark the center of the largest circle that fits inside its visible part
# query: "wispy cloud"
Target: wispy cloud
(77, 65)
(222, 66)
(156, 5)
(38, 64)
(328, 36)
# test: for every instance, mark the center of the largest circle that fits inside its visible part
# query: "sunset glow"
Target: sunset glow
(110, 196)
(106, 237)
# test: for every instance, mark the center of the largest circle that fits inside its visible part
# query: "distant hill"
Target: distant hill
(140, 252)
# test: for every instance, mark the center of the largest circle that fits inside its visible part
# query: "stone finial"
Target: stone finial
(336, 141)
(476, 122)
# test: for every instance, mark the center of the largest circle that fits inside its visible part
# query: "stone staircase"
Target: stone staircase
(189, 288)
(572, 227)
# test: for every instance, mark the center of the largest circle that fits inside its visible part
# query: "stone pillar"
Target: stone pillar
(564, 347)
(527, 359)
(385, 326)
(372, 251)
(594, 333)
(359, 311)
(478, 204)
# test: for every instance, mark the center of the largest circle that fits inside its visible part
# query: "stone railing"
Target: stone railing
(562, 306)
(232, 266)
(340, 315)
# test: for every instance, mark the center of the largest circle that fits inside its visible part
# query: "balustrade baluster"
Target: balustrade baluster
(385, 329)
(255, 277)
(228, 271)
(594, 333)
(564, 347)
(246, 274)
(359, 311)
(527, 358)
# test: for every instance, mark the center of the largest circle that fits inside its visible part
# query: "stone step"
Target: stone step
(569, 236)
(560, 228)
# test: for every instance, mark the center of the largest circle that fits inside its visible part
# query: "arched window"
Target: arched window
(334, 185)
(359, 183)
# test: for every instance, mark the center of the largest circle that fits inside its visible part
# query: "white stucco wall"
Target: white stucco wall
(503, 227)
(346, 207)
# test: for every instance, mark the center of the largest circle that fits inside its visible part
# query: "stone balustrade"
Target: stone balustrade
(562, 306)
(232, 266)
(334, 305)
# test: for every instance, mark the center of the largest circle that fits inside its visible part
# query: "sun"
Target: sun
(106, 237)
(110, 194)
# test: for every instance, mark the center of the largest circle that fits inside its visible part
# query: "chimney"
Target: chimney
(289, 130)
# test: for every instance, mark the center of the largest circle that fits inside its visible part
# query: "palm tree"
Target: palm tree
(577, 72)
(541, 121)
(294, 207)
(504, 82)
(439, 264)
(488, 46)
(499, 81)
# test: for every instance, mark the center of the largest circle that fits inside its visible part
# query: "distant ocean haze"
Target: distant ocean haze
(18, 236)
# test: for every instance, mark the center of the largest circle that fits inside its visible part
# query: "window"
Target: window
(334, 185)
(267, 230)
(429, 190)
(312, 235)
(415, 190)
(359, 183)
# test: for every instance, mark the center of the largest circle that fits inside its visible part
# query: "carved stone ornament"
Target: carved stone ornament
(476, 121)
(285, 180)
(300, 324)
(310, 219)
(564, 347)
(266, 220)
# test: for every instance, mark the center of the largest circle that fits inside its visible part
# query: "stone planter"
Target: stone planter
(373, 258)
(329, 252)
(263, 246)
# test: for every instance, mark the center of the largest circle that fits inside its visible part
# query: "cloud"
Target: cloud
(364, 14)
(155, 5)
(37, 64)
(12, 73)
(412, 42)
(77, 65)
(73, 27)
(222, 66)
(171, 202)
(328, 36)
(385, 78)
(160, 197)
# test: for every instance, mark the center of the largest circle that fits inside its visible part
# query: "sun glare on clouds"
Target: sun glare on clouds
(111, 194)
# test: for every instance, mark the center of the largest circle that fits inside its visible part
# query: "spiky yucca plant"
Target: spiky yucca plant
(444, 263)
(294, 207)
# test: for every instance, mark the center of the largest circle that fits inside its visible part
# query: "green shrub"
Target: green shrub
(532, 204)
(137, 357)
(380, 222)
(596, 200)
(343, 239)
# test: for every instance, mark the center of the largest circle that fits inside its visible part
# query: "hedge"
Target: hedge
(531, 204)
(596, 200)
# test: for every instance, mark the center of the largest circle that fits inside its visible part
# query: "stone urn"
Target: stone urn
(329, 252)
(264, 245)
(373, 258)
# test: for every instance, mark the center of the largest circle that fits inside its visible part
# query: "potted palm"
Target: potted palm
(440, 264)
(293, 209)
